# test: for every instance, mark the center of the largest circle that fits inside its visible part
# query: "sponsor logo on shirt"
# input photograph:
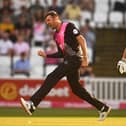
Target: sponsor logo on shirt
(75, 31)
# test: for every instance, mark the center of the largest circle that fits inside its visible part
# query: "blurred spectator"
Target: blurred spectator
(7, 8)
(23, 27)
(21, 46)
(38, 15)
(119, 6)
(17, 4)
(7, 24)
(64, 2)
(39, 29)
(90, 37)
(72, 11)
(87, 5)
(55, 7)
(22, 11)
(6, 45)
(35, 7)
(22, 65)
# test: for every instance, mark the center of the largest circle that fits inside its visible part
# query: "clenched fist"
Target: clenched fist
(41, 53)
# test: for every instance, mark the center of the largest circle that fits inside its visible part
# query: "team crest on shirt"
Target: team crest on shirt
(75, 31)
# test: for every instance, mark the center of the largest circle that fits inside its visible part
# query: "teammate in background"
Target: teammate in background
(72, 47)
(121, 65)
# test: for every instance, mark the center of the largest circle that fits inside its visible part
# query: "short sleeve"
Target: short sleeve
(73, 30)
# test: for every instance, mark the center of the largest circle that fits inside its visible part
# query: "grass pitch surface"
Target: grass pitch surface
(61, 121)
(58, 112)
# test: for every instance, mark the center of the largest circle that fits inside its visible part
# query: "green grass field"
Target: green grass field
(60, 117)
(57, 112)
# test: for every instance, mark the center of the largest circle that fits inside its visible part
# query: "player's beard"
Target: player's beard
(52, 27)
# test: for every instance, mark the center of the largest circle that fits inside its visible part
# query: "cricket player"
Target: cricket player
(72, 47)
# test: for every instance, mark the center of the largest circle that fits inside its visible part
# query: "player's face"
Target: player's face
(50, 21)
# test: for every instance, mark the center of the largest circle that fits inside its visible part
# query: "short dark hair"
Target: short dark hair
(52, 13)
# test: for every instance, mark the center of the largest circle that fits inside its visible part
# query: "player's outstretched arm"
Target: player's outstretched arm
(81, 40)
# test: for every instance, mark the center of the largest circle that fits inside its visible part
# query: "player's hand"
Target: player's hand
(41, 53)
(121, 66)
(84, 63)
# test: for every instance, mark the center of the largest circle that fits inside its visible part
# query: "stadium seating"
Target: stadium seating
(116, 19)
(100, 19)
(102, 6)
(36, 63)
(104, 15)
(85, 15)
(5, 64)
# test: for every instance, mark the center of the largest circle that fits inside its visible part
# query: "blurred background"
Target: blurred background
(23, 33)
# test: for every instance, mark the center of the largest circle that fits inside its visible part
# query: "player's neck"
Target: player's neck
(59, 23)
